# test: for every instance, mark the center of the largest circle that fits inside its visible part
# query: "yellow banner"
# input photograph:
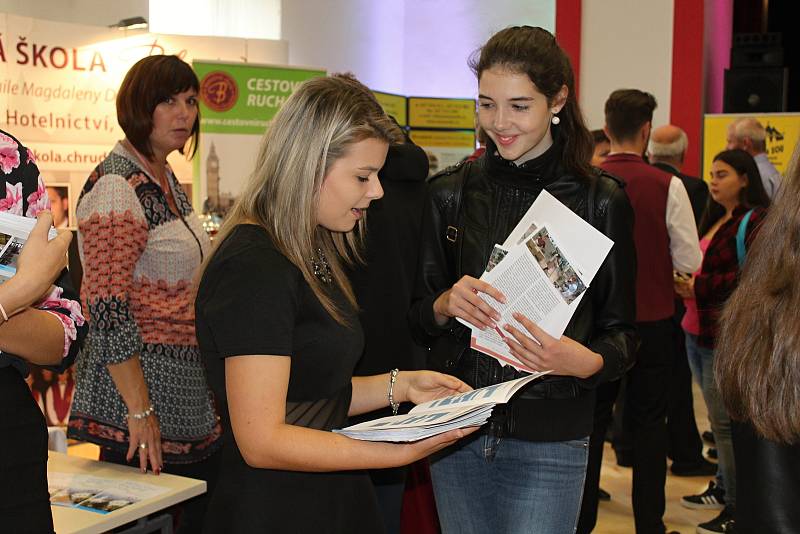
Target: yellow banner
(456, 113)
(462, 139)
(394, 105)
(444, 148)
(783, 132)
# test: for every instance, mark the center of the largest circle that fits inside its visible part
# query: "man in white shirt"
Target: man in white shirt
(749, 135)
(666, 240)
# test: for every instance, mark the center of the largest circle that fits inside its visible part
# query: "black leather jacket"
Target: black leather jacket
(494, 198)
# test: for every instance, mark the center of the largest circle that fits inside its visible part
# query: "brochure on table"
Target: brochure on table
(543, 268)
(97, 494)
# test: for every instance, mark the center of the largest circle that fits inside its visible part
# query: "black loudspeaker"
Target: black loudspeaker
(756, 90)
(757, 50)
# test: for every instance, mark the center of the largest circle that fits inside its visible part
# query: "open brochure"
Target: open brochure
(544, 268)
(14, 231)
(441, 415)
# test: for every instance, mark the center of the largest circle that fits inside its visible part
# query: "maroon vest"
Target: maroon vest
(648, 190)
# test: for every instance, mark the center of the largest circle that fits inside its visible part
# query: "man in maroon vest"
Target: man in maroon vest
(666, 239)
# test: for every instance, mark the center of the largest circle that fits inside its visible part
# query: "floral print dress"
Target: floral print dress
(139, 263)
(24, 500)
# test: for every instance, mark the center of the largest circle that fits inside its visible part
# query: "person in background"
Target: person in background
(602, 146)
(59, 205)
(40, 323)
(58, 399)
(748, 134)
(526, 468)
(665, 234)
(140, 385)
(737, 204)
(278, 327)
(757, 370)
(480, 137)
(666, 151)
(391, 250)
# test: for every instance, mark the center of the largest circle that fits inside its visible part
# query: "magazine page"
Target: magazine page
(11, 247)
(586, 246)
(494, 394)
(541, 283)
(467, 417)
(427, 419)
(472, 408)
(14, 230)
(543, 268)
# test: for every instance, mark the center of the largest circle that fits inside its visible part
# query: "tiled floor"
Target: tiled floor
(616, 516)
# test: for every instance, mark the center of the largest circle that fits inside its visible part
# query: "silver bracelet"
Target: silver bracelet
(141, 415)
(392, 379)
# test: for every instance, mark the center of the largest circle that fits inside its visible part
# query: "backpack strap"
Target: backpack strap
(741, 249)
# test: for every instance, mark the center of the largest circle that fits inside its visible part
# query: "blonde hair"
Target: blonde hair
(316, 126)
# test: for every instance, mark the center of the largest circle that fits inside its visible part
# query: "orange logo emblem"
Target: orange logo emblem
(218, 91)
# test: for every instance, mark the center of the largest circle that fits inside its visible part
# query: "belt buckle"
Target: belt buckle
(451, 234)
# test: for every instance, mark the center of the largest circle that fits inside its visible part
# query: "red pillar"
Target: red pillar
(568, 33)
(686, 105)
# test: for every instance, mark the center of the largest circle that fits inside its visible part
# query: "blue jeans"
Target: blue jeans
(485, 484)
(701, 361)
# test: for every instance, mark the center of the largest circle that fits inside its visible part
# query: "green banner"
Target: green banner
(237, 103)
(242, 98)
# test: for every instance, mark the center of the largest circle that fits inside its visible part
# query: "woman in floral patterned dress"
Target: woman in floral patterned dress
(140, 384)
(40, 323)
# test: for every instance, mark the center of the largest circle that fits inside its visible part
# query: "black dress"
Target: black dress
(24, 499)
(252, 300)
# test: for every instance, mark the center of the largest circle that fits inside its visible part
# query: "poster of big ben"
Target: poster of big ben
(237, 104)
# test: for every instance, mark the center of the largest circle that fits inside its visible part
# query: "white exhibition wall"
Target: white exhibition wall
(625, 44)
(441, 35)
(417, 47)
(411, 47)
(88, 12)
(364, 37)
(420, 47)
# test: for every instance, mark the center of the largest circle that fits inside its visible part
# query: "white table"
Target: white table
(75, 521)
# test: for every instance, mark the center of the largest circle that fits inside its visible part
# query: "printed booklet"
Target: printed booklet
(438, 416)
(543, 268)
(14, 231)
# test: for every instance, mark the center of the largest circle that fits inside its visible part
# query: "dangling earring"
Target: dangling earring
(555, 119)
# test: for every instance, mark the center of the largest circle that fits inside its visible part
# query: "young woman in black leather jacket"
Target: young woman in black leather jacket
(525, 470)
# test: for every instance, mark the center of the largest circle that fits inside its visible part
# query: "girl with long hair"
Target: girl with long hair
(278, 329)
(757, 370)
(525, 470)
(736, 192)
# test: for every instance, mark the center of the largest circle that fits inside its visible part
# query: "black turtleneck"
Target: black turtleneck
(536, 173)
